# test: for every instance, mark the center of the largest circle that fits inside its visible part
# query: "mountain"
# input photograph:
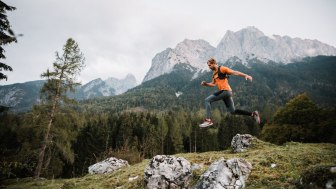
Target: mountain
(190, 52)
(95, 88)
(21, 96)
(273, 85)
(243, 46)
(109, 87)
(121, 85)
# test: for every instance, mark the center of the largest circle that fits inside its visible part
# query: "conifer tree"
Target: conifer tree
(6, 36)
(59, 81)
(176, 136)
(163, 130)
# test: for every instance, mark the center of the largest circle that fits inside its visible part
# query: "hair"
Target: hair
(212, 61)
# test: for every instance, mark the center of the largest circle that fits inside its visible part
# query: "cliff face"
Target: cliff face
(246, 44)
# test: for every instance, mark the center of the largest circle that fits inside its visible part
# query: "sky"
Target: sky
(118, 37)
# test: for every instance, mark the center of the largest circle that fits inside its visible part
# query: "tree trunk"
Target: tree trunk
(46, 137)
(162, 140)
(190, 141)
(195, 147)
(45, 143)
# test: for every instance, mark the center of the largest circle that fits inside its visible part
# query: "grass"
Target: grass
(291, 160)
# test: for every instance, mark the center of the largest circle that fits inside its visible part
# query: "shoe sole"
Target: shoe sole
(257, 118)
(205, 125)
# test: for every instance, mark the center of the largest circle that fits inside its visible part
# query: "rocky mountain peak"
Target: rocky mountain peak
(193, 45)
(130, 78)
(163, 63)
(193, 52)
(121, 85)
(251, 42)
(196, 52)
(92, 84)
(244, 45)
(251, 31)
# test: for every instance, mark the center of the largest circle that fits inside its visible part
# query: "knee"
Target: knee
(232, 111)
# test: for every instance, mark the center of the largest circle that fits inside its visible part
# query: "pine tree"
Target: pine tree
(176, 136)
(59, 81)
(163, 130)
(6, 36)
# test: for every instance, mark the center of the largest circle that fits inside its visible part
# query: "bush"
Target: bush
(301, 121)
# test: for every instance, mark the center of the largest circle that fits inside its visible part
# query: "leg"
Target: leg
(230, 105)
(210, 99)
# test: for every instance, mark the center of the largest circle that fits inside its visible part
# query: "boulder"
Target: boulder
(107, 166)
(239, 142)
(225, 174)
(166, 171)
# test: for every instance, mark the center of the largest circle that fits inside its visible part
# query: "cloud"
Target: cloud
(122, 36)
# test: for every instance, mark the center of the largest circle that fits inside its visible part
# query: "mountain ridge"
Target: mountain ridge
(21, 96)
(243, 45)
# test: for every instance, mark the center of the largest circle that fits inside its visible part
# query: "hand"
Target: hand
(247, 77)
(203, 83)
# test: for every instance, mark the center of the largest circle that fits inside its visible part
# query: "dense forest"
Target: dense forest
(80, 139)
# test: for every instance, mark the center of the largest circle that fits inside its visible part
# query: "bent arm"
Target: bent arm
(237, 73)
(208, 84)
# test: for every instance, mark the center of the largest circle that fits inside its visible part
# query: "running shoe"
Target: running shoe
(206, 123)
(256, 116)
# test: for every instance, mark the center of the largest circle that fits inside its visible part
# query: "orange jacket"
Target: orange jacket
(222, 84)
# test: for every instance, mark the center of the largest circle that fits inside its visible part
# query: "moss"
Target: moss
(68, 185)
(316, 176)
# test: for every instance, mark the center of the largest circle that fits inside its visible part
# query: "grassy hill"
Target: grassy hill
(291, 160)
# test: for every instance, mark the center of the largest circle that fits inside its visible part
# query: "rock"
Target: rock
(331, 184)
(273, 165)
(239, 142)
(196, 166)
(225, 174)
(107, 166)
(133, 178)
(318, 177)
(167, 172)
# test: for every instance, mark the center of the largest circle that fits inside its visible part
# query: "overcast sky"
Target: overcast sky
(119, 37)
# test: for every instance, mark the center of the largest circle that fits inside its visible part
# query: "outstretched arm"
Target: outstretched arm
(247, 77)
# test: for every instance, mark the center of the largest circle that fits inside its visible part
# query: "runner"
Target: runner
(220, 78)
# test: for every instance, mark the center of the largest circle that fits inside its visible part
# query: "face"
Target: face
(212, 66)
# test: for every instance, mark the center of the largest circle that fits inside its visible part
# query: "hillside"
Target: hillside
(291, 160)
(21, 95)
(273, 84)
